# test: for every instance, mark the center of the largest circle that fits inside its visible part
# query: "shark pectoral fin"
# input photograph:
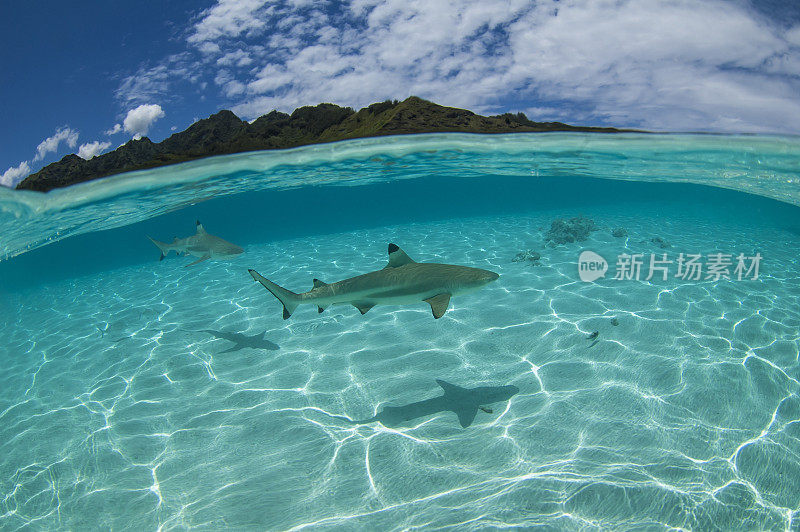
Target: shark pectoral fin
(486, 409)
(467, 415)
(397, 257)
(363, 308)
(439, 304)
(321, 309)
(318, 283)
(201, 259)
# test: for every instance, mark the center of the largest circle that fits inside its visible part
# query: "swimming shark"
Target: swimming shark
(464, 402)
(201, 244)
(402, 282)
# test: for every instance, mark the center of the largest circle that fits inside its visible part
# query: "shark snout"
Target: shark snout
(488, 277)
(504, 393)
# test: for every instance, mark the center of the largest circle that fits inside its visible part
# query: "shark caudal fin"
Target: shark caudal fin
(163, 246)
(289, 299)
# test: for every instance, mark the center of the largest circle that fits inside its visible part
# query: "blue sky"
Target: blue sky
(87, 77)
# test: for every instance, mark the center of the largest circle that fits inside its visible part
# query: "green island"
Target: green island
(225, 133)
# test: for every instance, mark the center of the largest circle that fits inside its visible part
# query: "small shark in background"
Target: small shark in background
(401, 282)
(465, 402)
(201, 245)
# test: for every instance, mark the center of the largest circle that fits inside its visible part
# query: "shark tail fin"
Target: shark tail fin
(289, 299)
(163, 246)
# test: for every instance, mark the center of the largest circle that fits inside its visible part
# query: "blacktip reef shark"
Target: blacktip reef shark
(201, 245)
(464, 402)
(401, 282)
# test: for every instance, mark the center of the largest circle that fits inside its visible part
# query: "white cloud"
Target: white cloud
(657, 64)
(229, 18)
(114, 130)
(151, 83)
(92, 149)
(209, 48)
(50, 144)
(234, 88)
(793, 35)
(145, 85)
(15, 174)
(238, 58)
(230, 86)
(139, 120)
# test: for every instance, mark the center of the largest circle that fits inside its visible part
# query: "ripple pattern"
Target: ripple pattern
(163, 397)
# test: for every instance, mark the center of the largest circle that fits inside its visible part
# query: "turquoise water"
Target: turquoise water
(138, 394)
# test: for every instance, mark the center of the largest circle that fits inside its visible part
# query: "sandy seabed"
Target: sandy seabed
(158, 396)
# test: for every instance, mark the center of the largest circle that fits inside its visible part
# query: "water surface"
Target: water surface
(142, 394)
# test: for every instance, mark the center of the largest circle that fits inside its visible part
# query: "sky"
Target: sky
(86, 77)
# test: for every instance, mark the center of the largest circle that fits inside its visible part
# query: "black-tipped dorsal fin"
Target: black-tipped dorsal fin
(439, 304)
(200, 228)
(397, 257)
(318, 283)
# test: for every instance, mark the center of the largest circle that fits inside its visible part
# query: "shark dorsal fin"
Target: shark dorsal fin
(447, 387)
(318, 283)
(200, 229)
(397, 257)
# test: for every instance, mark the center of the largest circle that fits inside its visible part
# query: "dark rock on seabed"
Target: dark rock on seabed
(528, 255)
(225, 133)
(660, 242)
(575, 229)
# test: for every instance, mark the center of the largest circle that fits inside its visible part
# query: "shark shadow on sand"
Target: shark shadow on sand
(464, 402)
(242, 341)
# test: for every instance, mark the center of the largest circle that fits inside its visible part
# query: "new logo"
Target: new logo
(591, 266)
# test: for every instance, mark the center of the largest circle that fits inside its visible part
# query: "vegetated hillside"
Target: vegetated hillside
(224, 133)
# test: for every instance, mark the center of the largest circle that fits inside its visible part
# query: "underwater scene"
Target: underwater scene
(560, 331)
